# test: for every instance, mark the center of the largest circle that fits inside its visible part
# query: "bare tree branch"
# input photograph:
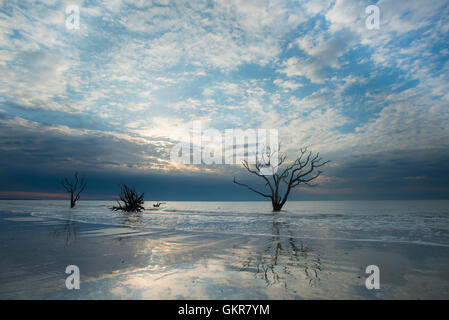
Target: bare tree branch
(132, 201)
(74, 188)
(301, 171)
(250, 188)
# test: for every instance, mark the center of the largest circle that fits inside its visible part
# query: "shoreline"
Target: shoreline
(175, 264)
(106, 225)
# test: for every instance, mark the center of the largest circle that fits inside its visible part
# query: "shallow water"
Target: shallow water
(419, 222)
(225, 250)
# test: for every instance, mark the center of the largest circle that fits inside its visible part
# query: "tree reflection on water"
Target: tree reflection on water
(68, 230)
(283, 257)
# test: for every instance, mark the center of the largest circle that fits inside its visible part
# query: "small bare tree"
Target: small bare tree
(132, 201)
(74, 188)
(285, 177)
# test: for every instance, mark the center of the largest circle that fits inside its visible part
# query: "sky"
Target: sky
(108, 99)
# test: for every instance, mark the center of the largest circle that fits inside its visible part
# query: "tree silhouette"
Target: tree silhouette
(74, 188)
(132, 201)
(285, 177)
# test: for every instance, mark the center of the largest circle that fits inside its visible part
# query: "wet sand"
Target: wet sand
(126, 263)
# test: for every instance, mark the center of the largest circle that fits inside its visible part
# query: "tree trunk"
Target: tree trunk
(72, 202)
(277, 206)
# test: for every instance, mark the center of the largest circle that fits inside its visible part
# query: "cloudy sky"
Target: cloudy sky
(106, 99)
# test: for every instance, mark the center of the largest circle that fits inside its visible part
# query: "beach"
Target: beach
(218, 251)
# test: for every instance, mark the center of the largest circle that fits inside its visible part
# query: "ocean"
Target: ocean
(415, 221)
(225, 250)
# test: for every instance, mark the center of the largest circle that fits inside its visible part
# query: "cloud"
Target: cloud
(415, 178)
(224, 34)
(26, 143)
(308, 68)
(327, 51)
(287, 84)
(322, 52)
(37, 77)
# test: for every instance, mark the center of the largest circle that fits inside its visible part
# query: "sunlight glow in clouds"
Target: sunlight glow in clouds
(135, 71)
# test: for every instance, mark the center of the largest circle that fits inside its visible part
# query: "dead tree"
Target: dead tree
(285, 177)
(132, 201)
(74, 188)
